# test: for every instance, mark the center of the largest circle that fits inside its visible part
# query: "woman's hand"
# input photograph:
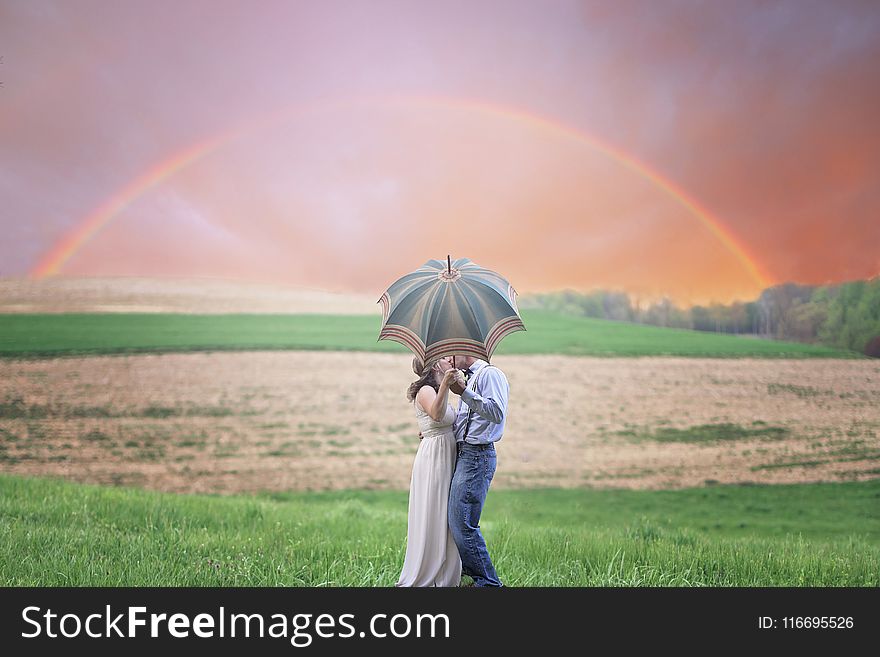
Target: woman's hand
(458, 385)
(449, 378)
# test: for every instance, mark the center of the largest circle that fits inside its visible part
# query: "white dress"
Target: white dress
(431, 555)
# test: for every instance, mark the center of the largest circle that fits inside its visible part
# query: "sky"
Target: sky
(696, 150)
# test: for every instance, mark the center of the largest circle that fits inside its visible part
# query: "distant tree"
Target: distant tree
(845, 315)
(805, 321)
(617, 306)
(777, 305)
(853, 315)
(592, 306)
(752, 317)
(701, 319)
(659, 313)
(737, 318)
(680, 318)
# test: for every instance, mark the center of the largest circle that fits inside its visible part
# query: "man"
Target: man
(478, 425)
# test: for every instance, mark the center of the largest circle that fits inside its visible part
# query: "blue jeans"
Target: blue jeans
(474, 469)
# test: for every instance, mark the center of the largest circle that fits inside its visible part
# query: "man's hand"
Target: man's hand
(459, 384)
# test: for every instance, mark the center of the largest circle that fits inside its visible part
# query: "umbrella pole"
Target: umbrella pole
(449, 270)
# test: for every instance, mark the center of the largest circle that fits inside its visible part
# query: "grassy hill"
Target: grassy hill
(59, 334)
(56, 533)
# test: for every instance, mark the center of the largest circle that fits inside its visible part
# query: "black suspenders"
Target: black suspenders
(467, 424)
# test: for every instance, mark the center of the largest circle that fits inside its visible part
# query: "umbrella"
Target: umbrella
(450, 308)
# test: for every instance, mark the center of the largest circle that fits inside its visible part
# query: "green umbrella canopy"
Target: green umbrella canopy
(452, 308)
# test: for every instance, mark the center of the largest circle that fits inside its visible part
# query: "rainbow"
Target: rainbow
(714, 225)
(86, 229)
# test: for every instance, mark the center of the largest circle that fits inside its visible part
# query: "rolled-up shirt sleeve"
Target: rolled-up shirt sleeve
(492, 405)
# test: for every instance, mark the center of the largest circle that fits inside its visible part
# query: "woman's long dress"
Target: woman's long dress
(431, 555)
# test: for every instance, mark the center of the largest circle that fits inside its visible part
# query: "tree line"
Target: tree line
(845, 315)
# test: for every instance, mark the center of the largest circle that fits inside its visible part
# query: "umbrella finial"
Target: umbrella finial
(449, 264)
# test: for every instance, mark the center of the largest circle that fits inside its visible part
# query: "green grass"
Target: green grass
(583, 336)
(707, 433)
(48, 335)
(57, 533)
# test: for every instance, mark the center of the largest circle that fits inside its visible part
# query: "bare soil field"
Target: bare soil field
(275, 421)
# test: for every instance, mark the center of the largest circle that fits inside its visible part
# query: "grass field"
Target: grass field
(48, 335)
(56, 533)
(60, 533)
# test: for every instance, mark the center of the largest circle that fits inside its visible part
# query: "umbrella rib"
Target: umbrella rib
(473, 314)
(431, 318)
(492, 288)
(501, 296)
(416, 289)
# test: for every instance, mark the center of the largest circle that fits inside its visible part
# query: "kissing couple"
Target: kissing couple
(452, 471)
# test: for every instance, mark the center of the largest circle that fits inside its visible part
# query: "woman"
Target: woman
(431, 555)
